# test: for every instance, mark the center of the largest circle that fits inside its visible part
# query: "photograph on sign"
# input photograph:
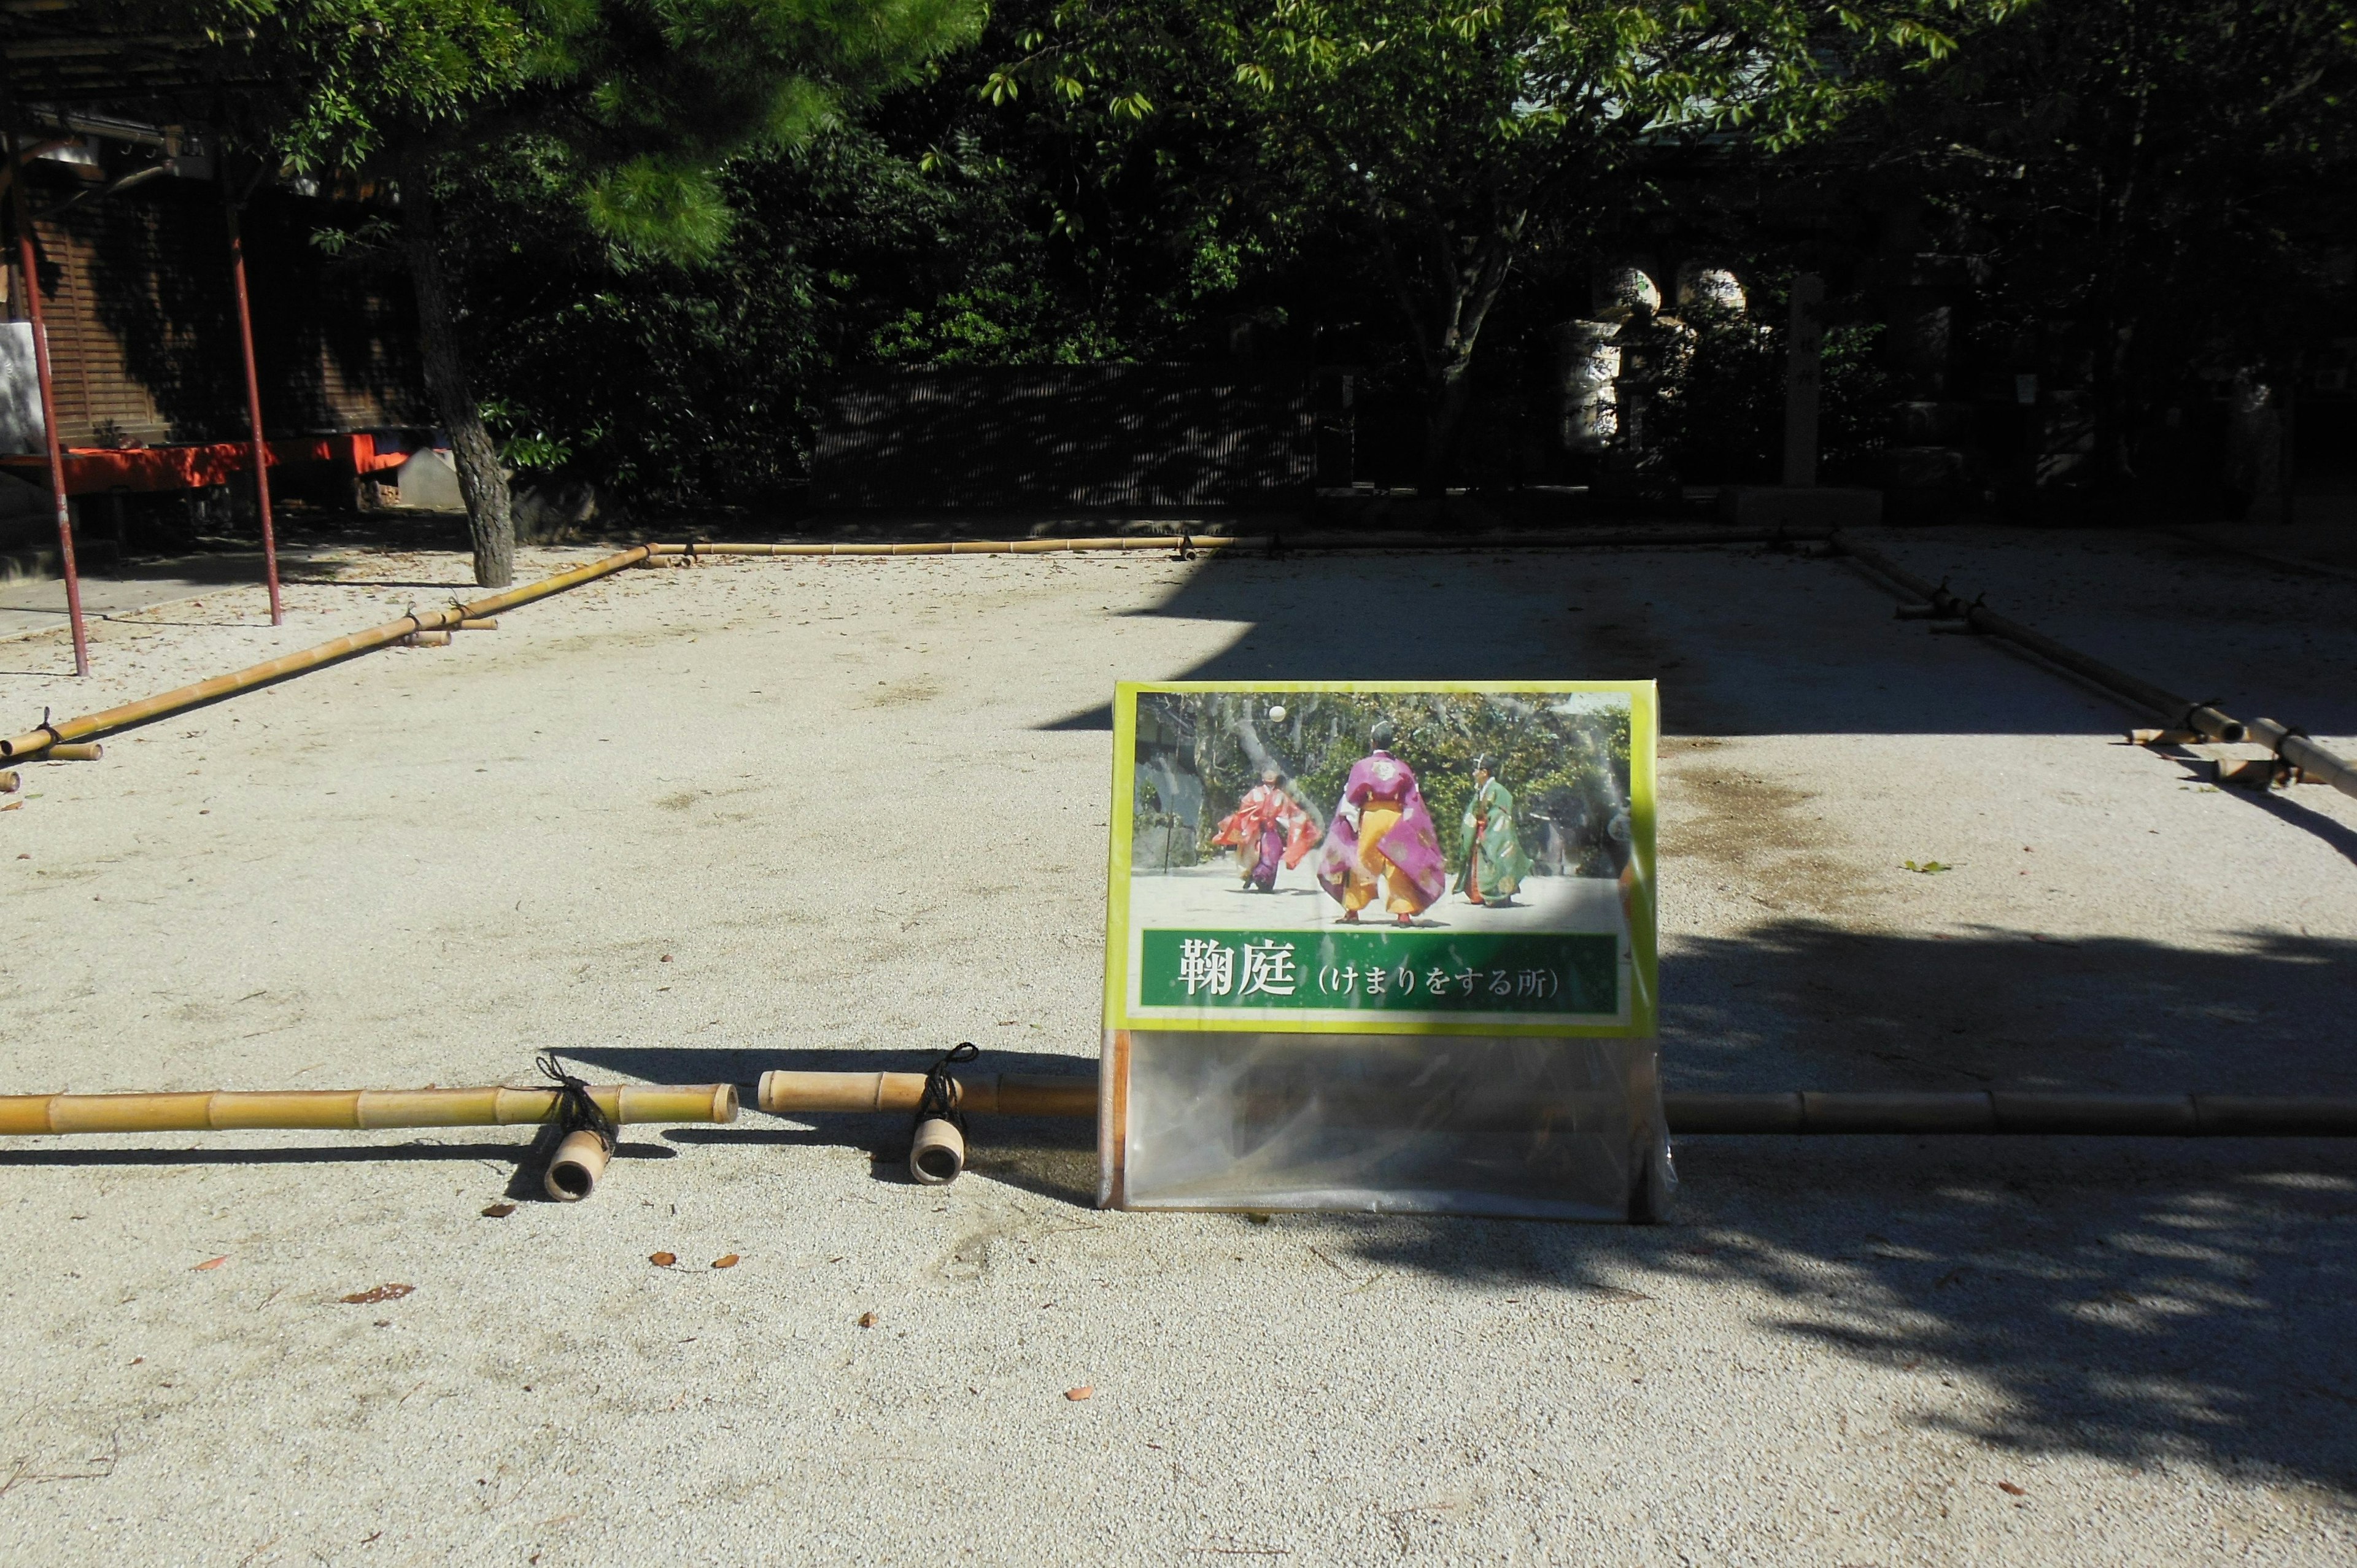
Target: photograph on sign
(1383, 945)
(1351, 859)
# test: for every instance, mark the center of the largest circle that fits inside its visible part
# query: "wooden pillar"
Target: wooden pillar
(29, 270)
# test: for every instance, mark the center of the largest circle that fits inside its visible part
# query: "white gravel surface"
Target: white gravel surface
(686, 824)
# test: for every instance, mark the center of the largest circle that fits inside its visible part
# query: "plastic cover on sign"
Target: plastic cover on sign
(1528, 1128)
(1384, 947)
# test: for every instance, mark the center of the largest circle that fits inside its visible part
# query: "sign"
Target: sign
(1383, 857)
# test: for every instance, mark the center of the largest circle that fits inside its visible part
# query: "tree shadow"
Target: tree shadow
(2143, 1301)
(1743, 642)
(1801, 1003)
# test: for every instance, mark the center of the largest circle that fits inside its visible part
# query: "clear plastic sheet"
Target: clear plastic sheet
(1554, 1128)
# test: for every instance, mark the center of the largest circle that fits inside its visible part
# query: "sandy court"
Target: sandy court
(684, 824)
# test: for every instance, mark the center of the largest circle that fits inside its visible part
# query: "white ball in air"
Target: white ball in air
(1276, 715)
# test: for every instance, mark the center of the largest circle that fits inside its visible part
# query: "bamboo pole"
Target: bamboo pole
(350, 1110)
(34, 742)
(84, 752)
(1996, 1111)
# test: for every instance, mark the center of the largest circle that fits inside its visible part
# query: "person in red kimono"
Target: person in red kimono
(1268, 828)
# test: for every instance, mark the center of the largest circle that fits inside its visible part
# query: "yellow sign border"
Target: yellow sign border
(1645, 733)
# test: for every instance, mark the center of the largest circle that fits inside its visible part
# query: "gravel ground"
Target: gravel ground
(686, 824)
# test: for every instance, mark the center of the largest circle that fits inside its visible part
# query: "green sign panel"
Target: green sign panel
(1425, 973)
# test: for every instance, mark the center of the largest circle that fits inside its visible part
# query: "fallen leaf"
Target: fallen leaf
(15, 806)
(376, 1293)
(662, 1260)
(665, 958)
(2009, 1489)
(728, 1262)
(1929, 868)
(867, 1320)
(499, 1211)
(209, 1263)
(1086, 1390)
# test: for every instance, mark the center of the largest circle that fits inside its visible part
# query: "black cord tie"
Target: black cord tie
(938, 1101)
(576, 1111)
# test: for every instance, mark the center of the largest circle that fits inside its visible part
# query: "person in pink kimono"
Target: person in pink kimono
(1383, 839)
(1268, 828)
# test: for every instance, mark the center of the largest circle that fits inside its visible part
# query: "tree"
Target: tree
(2162, 191)
(1453, 134)
(629, 107)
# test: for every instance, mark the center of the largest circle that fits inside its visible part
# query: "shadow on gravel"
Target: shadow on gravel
(1756, 641)
(2147, 1302)
(1052, 1158)
(1805, 1004)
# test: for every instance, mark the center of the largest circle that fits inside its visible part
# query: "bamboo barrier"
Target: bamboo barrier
(431, 628)
(50, 736)
(350, 1110)
(1566, 539)
(1937, 603)
(2201, 719)
(1993, 1111)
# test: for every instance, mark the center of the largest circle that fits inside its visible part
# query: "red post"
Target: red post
(252, 396)
(29, 270)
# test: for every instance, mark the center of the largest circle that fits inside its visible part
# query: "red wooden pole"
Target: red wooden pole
(252, 398)
(29, 270)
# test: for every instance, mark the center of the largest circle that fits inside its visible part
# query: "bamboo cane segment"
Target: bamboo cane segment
(1007, 1094)
(573, 1169)
(2313, 762)
(350, 1110)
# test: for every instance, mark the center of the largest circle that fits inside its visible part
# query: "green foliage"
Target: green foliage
(637, 102)
(1720, 409)
(1453, 136)
(2159, 191)
(682, 383)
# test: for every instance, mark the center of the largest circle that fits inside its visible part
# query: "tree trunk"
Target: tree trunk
(1467, 284)
(489, 517)
(1450, 387)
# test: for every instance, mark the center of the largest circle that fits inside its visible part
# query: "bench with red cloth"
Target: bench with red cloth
(97, 470)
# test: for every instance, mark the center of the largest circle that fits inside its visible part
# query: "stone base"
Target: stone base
(1773, 506)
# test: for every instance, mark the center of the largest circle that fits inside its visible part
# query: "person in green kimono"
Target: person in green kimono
(1494, 862)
